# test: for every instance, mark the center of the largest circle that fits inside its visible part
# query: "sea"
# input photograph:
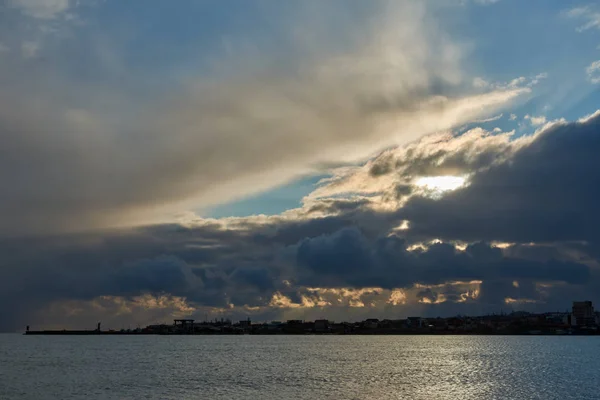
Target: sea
(299, 367)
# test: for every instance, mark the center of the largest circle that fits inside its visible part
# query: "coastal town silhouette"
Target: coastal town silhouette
(581, 320)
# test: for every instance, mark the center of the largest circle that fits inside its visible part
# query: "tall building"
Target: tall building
(583, 311)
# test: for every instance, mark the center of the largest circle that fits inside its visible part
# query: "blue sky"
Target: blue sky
(296, 159)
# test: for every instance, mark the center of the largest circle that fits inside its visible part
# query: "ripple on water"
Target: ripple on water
(299, 367)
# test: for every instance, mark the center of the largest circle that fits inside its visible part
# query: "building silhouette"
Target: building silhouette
(583, 313)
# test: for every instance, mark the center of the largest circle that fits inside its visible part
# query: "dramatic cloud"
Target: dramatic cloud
(353, 261)
(522, 233)
(394, 174)
(95, 153)
(421, 211)
(546, 192)
(156, 273)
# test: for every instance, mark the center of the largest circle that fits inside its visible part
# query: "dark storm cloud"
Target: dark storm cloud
(190, 261)
(259, 278)
(165, 273)
(208, 264)
(543, 191)
(212, 266)
(37, 271)
(372, 223)
(353, 260)
(548, 191)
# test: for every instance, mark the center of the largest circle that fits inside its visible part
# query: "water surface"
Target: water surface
(299, 367)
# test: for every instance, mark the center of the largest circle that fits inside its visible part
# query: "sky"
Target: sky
(296, 160)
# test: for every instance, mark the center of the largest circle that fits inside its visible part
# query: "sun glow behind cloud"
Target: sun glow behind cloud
(441, 184)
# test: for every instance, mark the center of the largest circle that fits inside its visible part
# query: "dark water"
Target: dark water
(299, 367)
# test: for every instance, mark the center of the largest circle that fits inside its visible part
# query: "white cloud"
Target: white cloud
(513, 117)
(42, 9)
(577, 11)
(538, 78)
(593, 72)
(589, 15)
(519, 82)
(491, 119)
(586, 118)
(536, 121)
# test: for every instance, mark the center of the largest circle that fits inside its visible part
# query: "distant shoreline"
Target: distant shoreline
(403, 333)
(583, 321)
